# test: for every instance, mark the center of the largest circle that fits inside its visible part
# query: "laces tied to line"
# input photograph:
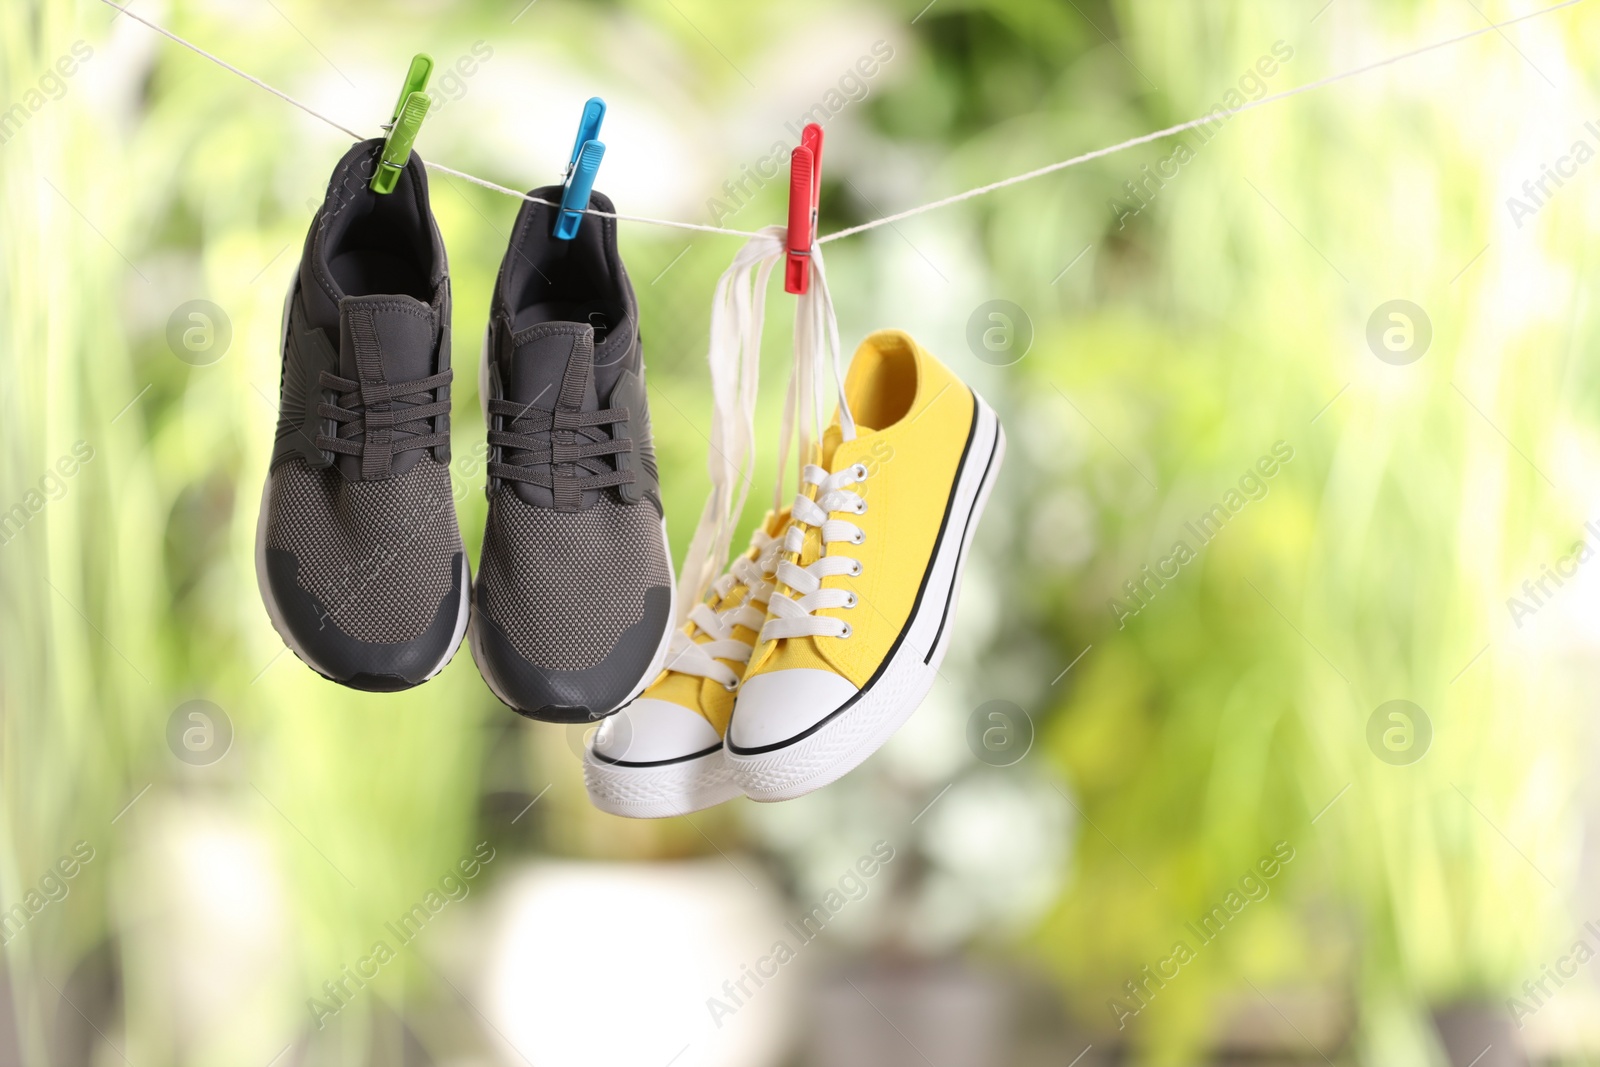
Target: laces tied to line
(738, 312)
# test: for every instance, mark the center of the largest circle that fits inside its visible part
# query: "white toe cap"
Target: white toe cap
(780, 705)
(650, 731)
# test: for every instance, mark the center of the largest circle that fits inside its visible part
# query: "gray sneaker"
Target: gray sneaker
(573, 603)
(358, 555)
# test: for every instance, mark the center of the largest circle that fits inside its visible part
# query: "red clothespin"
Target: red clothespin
(805, 193)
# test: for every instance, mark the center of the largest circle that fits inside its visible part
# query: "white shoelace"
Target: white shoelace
(794, 616)
(737, 314)
(704, 659)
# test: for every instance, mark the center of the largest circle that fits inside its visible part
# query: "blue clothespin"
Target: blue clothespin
(587, 151)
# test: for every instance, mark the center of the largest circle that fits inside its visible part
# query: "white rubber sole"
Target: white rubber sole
(463, 613)
(845, 741)
(656, 662)
(662, 791)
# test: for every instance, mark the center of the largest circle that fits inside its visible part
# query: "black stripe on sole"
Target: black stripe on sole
(600, 758)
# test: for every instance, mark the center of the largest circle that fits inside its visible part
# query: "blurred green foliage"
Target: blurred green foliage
(1191, 337)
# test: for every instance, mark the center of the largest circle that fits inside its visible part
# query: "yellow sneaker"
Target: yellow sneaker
(860, 617)
(661, 754)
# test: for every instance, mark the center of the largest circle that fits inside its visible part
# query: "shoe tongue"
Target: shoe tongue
(391, 339)
(387, 337)
(552, 369)
(832, 438)
(541, 357)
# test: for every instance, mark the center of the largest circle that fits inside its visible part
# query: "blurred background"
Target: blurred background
(1263, 732)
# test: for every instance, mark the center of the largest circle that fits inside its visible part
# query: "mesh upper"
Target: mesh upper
(564, 585)
(376, 555)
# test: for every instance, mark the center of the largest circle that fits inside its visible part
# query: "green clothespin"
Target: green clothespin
(409, 111)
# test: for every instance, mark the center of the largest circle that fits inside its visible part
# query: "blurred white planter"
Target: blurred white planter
(597, 964)
(205, 934)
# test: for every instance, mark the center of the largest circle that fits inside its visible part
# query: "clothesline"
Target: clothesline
(1134, 142)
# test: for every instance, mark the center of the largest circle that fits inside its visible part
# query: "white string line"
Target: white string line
(281, 95)
(909, 212)
(225, 65)
(1182, 126)
(474, 179)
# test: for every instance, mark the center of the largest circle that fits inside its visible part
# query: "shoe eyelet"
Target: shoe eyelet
(861, 507)
(732, 687)
(859, 568)
(858, 538)
(845, 635)
(853, 601)
(860, 471)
